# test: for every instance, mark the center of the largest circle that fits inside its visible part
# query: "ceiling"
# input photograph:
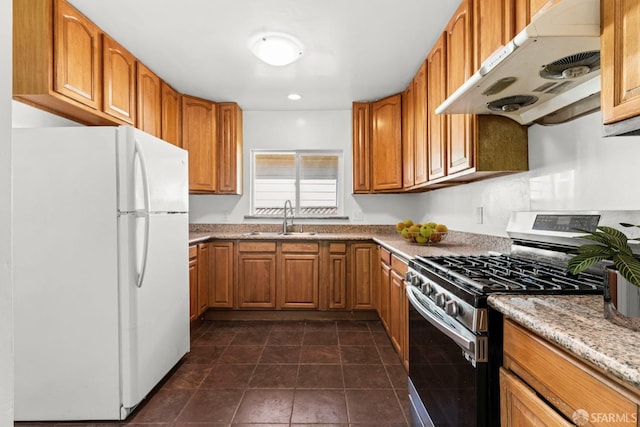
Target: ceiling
(354, 50)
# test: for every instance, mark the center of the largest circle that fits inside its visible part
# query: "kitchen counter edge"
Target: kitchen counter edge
(576, 323)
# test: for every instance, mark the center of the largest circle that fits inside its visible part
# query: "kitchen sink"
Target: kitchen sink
(298, 233)
(280, 233)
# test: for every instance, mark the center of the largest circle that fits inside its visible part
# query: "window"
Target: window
(310, 179)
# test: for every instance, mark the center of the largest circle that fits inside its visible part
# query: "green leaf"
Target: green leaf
(616, 239)
(596, 250)
(626, 224)
(629, 268)
(581, 262)
(600, 238)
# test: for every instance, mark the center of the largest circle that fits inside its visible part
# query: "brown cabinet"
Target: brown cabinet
(408, 137)
(384, 285)
(437, 123)
(256, 272)
(362, 281)
(221, 283)
(361, 147)
(386, 144)
(540, 379)
(493, 24)
(334, 259)
(460, 64)
(149, 101)
(525, 10)
(57, 61)
(620, 47)
(298, 278)
(229, 148)
(118, 81)
(199, 138)
(193, 282)
(204, 277)
(171, 115)
(420, 152)
(393, 305)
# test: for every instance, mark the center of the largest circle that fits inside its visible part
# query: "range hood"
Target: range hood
(552, 65)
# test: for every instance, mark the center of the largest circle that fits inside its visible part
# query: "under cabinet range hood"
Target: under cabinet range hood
(551, 65)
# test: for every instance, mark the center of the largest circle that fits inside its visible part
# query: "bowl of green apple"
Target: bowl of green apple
(426, 233)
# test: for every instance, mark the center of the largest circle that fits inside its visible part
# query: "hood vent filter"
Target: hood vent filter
(572, 66)
(511, 103)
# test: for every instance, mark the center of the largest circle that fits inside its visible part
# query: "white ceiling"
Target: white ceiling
(355, 50)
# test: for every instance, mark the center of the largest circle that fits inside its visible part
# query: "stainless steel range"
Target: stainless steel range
(455, 339)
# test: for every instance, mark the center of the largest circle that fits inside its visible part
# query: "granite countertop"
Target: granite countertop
(577, 324)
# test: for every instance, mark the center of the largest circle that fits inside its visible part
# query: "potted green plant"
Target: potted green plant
(611, 246)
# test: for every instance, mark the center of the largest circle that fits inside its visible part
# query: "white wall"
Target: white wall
(570, 167)
(6, 276)
(300, 130)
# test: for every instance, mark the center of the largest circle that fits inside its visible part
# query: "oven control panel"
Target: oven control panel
(566, 223)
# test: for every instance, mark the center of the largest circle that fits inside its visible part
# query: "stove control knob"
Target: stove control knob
(416, 281)
(427, 288)
(441, 299)
(451, 308)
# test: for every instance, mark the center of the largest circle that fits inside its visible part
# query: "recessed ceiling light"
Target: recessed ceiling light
(276, 48)
(294, 97)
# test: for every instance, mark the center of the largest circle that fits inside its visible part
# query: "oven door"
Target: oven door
(448, 370)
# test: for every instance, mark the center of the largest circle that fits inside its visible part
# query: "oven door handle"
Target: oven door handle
(467, 345)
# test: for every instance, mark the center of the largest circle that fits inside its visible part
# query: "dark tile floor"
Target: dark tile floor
(288, 373)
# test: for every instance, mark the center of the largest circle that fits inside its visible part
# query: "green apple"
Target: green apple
(441, 228)
(426, 231)
(421, 239)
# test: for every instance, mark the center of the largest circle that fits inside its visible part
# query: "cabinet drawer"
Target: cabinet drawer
(399, 265)
(299, 247)
(257, 246)
(193, 252)
(564, 381)
(337, 248)
(385, 256)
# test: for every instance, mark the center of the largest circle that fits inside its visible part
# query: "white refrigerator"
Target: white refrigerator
(101, 296)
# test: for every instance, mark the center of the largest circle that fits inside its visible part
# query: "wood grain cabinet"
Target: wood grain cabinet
(229, 148)
(298, 275)
(362, 277)
(334, 264)
(204, 276)
(57, 61)
(437, 123)
(221, 283)
(384, 287)
(149, 102)
(118, 81)
(393, 306)
(542, 384)
(420, 151)
(256, 274)
(199, 138)
(408, 136)
(361, 112)
(193, 282)
(493, 27)
(620, 47)
(386, 144)
(525, 10)
(171, 115)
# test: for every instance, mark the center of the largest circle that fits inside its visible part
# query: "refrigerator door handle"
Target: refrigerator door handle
(143, 213)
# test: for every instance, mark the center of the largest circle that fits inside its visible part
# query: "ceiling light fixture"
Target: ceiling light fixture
(277, 49)
(294, 97)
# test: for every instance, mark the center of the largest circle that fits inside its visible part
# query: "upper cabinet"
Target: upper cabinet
(229, 148)
(620, 45)
(149, 101)
(119, 81)
(525, 10)
(420, 125)
(199, 136)
(171, 115)
(361, 147)
(408, 137)
(437, 123)
(494, 27)
(386, 144)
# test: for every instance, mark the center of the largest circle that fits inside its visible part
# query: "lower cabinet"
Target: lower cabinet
(335, 271)
(256, 281)
(193, 282)
(298, 275)
(198, 279)
(542, 384)
(393, 307)
(221, 282)
(362, 281)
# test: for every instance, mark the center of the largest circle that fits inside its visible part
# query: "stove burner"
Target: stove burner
(503, 273)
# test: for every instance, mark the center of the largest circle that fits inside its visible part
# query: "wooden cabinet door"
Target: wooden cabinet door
(204, 277)
(193, 283)
(386, 143)
(396, 309)
(620, 47)
(337, 275)
(298, 281)
(171, 115)
(256, 280)
(437, 123)
(384, 289)
(199, 138)
(222, 275)
(408, 137)
(493, 25)
(229, 148)
(459, 69)
(119, 81)
(361, 147)
(420, 125)
(149, 101)
(525, 10)
(362, 282)
(520, 406)
(77, 56)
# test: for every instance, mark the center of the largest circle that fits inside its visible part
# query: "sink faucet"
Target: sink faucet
(284, 222)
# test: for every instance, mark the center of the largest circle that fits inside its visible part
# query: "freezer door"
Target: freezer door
(153, 174)
(155, 315)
